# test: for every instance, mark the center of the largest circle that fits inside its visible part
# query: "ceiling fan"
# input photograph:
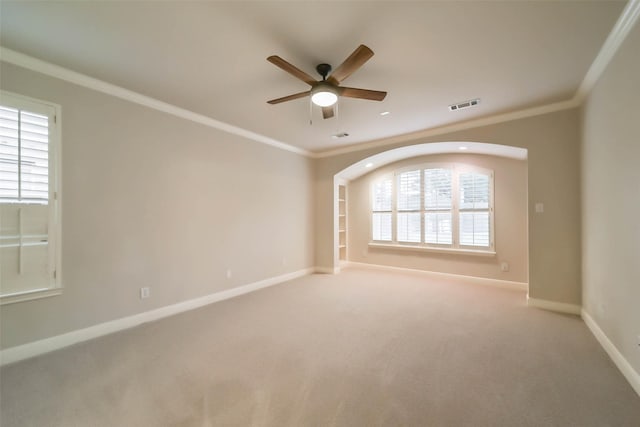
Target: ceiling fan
(325, 92)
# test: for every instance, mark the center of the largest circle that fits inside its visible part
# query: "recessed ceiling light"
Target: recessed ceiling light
(462, 148)
(368, 165)
(385, 113)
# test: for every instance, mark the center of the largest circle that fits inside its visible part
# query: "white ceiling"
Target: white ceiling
(210, 57)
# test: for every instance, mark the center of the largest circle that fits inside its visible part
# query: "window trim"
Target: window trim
(455, 247)
(54, 112)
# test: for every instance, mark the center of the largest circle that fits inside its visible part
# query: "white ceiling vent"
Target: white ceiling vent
(465, 104)
(340, 135)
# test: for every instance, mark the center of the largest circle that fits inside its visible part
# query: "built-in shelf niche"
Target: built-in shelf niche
(342, 223)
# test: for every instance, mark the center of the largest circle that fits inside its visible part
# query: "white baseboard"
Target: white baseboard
(327, 270)
(505, 284)
(36, 348)
(560, 307)
(625, 367)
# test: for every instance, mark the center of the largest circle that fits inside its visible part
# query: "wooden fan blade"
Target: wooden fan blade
(351, 64)
(289, 98)
(372, 95)
(291, 69)
(327, 112)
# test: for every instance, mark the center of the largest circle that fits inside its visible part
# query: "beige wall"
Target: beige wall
(553, 142)
(611, 203)
(153, 200)
(510, 201)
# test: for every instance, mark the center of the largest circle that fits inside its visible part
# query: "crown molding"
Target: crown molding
(455, 127)
(34, 64)
(52, 70)
(618, 34)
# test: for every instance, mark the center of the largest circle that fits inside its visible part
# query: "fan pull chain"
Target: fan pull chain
(310, 112)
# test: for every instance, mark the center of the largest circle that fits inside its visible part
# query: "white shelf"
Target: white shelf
(342, 223)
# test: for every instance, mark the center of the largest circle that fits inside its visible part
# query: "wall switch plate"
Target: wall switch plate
(145, 292)
(539, 207)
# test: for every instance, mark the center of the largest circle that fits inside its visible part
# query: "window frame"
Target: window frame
(54, 149)
(457, 169)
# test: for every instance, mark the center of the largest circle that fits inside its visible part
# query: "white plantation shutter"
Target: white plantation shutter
(381, 218)
(437, 205)
(474, 228)
(475, 194)
(381, 223)
(382, 191)
(24, 156)
(438, 228)
(474, 191)
(409, 193)
(437, 188)
(29, 219)
(452, 203)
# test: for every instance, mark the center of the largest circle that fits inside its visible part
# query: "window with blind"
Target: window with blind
(437, 206)
(28, 217)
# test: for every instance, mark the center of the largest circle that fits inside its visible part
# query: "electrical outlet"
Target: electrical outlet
(228, 274)
(504, 266)
(638, 337)
(145, 292)
(284, 261)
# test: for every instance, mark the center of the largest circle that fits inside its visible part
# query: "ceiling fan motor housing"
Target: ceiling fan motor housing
(323, 70)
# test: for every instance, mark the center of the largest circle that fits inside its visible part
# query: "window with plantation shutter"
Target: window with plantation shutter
(24, 156)
(28, 202)
(437, 206)
(444, 207)
(408, 209)
(474, 209)
(381, 219)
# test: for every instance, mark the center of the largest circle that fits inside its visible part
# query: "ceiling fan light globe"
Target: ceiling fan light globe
(324, 98)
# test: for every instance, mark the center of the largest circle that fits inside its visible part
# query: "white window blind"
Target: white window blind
(409, 191)
(381, 219)
(24, 156)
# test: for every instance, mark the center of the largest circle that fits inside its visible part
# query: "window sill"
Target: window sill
(29, 295)
(475, 252)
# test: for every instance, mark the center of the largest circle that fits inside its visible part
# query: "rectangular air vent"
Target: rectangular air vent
(465, 104)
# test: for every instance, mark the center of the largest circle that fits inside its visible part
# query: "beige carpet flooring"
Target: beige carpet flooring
(363, 348)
